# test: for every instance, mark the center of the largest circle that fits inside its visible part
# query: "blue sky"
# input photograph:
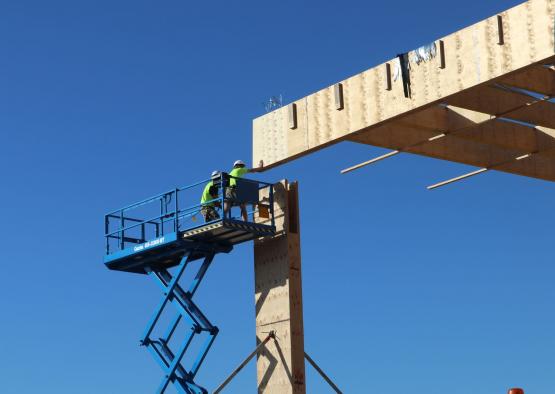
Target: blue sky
(103, 103)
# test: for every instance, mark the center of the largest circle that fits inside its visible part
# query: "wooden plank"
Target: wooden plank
(277, 264)
(541, 114)
(490, 100)
(471, 125)
(427, 126)
(537, 79)
(463, 151)
(469, 150)
(443, 118)
(419, 127)
(460, 63)
(512, 105)
(509, 135)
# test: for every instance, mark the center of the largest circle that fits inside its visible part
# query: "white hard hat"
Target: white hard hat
(215, 173)
(238, 163)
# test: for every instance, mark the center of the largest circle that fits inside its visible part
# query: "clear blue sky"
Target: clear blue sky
(105, 102)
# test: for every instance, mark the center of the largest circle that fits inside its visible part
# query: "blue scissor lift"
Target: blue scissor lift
(156, 234)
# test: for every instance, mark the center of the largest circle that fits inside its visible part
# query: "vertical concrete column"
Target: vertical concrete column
(279, 306)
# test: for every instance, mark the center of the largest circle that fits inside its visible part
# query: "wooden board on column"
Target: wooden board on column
(279, 307)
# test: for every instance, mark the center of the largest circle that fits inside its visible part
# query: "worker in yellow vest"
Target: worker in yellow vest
(208, 206)
(238, 171)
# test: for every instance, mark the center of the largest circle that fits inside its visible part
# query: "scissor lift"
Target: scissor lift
(174, 237)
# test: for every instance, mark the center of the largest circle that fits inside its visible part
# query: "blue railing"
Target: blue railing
(161, 214)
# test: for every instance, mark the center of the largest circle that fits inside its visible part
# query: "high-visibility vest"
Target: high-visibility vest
(237, 172)
(210, 193)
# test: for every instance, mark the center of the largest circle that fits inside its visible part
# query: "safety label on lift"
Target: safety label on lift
(149, 244)
(152, 244)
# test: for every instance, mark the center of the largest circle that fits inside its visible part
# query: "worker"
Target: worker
(238, 171)
(208, 205)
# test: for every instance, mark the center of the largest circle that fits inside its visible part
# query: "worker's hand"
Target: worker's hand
(259, 168)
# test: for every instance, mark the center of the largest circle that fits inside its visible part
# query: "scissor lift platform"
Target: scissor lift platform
(156, 234)
(229, 232)
(166, 251)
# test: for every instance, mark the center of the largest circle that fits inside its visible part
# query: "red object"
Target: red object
(516, 391)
